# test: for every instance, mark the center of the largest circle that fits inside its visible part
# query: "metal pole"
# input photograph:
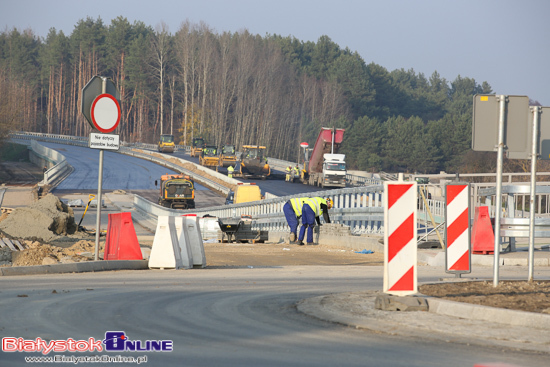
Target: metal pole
(534, 149)
(498, 199)
(99, 187)
(98, 216)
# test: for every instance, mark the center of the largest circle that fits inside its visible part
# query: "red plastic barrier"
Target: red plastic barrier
(121, 242)
(483, 236)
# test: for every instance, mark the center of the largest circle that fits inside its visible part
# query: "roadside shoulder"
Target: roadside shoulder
(357, 310)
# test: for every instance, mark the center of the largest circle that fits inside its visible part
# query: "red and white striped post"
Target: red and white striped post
(400, 250)
(457, 228)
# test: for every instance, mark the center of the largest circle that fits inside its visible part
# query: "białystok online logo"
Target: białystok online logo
(115, 341)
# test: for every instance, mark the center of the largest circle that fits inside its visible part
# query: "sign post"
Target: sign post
(498, 199)
(101, 107)
(505, 118)
(534, 155)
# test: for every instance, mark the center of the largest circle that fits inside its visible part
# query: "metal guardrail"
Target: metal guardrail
(359, 208)
(511, 225)
(519, 227)
(61, 168)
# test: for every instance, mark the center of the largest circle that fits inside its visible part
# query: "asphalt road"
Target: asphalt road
(222, 317)
(122, 172)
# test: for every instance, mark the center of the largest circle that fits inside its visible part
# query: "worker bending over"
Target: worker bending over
(293, 212)
(311, 211)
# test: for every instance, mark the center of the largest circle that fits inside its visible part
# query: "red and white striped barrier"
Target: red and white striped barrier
(457, 228)
(400, 250)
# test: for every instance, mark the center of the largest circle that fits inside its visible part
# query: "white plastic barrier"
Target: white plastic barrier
(184, 243)
(165, 253)
(195, 239)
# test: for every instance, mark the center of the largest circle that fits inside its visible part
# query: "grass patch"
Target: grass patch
(10, 152)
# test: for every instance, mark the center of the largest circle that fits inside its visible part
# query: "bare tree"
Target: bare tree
(160, 44)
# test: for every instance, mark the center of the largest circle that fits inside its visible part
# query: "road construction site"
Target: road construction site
(470, 324)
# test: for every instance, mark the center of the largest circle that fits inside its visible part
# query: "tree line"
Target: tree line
(238, 88)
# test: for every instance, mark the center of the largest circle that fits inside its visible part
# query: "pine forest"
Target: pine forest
(240, 88)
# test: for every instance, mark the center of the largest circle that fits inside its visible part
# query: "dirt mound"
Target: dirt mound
(515, 295)
(43, 220)
(44, 254)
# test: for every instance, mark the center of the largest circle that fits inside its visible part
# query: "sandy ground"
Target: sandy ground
(515, 295)
(270, 254)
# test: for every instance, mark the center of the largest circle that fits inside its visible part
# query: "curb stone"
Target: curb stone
(87, 266)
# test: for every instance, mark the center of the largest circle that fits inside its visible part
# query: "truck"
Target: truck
(177, 192)
(166, 143)
(228, 157)
(325, 167)
(196, 146)
(254, 162)
(244, 193)
(209, 157)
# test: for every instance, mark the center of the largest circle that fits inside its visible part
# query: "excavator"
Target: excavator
(254, 162)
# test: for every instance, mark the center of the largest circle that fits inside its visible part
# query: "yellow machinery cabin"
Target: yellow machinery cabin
(209, 157)
(254, 162)
(177, 192)
(196, 147)
(166, 143)
(246, 192)
(228, 156)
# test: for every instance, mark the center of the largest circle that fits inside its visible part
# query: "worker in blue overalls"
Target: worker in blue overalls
(312, 209)
(293, 212)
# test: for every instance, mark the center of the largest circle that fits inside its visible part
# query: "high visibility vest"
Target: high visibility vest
(297, 204)
(230, 169)
(315, 205)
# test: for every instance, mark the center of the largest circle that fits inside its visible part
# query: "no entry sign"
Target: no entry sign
(105, 113)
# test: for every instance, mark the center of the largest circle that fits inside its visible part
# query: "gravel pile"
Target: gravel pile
(43, 220)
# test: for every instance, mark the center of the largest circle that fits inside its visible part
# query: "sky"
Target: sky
(503, 42)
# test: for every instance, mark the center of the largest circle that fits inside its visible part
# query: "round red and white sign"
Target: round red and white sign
(105, 113)
(304, 145)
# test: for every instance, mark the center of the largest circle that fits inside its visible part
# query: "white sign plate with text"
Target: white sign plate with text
(104, 141)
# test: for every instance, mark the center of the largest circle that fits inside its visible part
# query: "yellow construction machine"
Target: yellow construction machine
(196, 146)
(177, 192)
(228, 156)
(209, 157)
(254, 162)
(166, 143)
